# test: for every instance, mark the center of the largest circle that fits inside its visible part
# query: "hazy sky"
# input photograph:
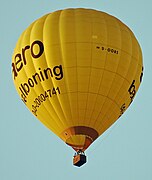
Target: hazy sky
(29, 151)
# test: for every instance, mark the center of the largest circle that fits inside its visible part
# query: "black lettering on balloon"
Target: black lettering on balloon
(20, 59)
(122, 108)
(23, 53)
(141, 76)
(108, 49)
(14, 70)
(18, 62)
(132, 90)
(41, 49)
(25, 88)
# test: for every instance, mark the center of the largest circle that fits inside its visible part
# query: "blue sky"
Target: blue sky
(29, 151)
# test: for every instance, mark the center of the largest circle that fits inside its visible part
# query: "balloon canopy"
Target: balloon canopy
(77, 70)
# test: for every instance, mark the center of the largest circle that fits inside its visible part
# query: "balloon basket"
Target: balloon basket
(79, 159)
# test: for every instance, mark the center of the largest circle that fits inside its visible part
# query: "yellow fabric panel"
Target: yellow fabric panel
(77, 139)
(77, 67)
(94, 85)
(73, 100)
(124, 64)
(96, 109)
(103, 117)
(106, 82)
(115, 87)
(83, 54)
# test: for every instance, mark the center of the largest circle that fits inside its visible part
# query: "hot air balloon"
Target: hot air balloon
(77, 70)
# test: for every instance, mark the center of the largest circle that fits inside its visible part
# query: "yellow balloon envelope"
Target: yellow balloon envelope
(77, 70)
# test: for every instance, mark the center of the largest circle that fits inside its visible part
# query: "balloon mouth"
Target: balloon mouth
(79, 137)
(82, 142)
